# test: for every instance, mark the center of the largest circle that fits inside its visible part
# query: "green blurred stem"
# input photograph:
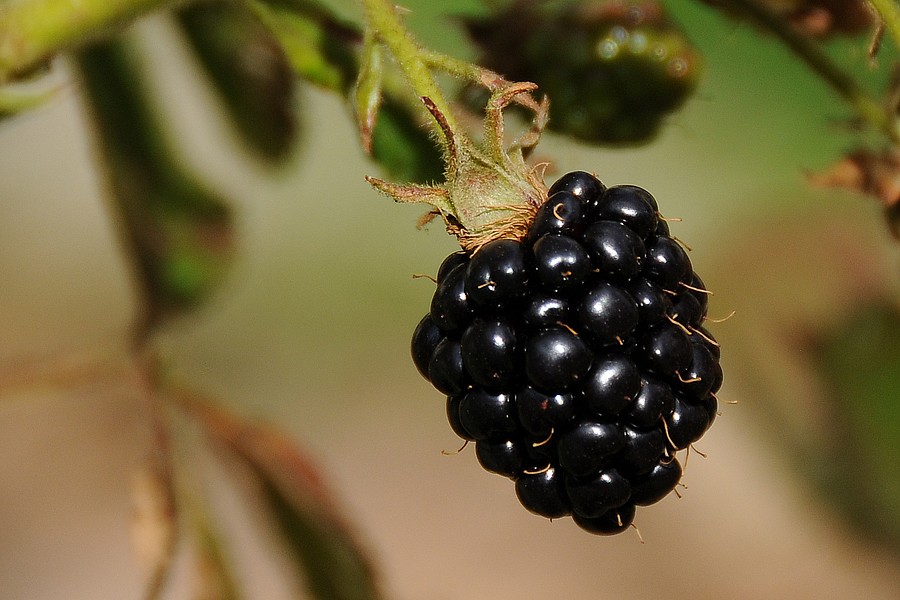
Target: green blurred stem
(890, 15)
(382, 17)
(867, 108)
(33, 31)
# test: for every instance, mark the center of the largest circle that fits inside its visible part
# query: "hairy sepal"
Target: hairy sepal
(489, 191)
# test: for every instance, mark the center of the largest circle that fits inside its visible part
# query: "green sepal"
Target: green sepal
(367, 91)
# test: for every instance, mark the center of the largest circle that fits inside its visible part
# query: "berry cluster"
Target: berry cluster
(576, 358)
(615, 70)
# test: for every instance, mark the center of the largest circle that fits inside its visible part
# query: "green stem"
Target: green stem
(890, 15)
(456, 67)
(869, 109)
(33, 31)
(382, 17)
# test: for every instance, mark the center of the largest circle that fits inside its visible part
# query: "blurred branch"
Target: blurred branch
(70, 370)
(33, 31)
(869, 109)
(156, 523)
(12, 101)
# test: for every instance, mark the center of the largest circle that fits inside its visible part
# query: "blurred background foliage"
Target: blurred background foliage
(307, 321)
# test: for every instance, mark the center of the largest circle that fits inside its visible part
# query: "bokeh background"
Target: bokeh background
(311, 332)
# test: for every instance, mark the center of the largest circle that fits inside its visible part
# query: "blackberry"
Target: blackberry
(445, 369)
(584, 449)
(486, 416)
(489, 353)
(596, 495)
(424, 341)
(450, 303)
(576, 358)
(652, 404)
(607, 313)
(612, 521)
(540, 414)
(580, 184)
(666, 349)
(617, 250)
(556, 358)
(544, 493)
(497, 273)
(544, 310)
(563, 212)
(561, 263)
(667, 264)
(630, 205)
(612, 384)
(456, 425)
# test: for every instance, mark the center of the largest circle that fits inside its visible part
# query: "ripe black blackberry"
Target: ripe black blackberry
(575, 357)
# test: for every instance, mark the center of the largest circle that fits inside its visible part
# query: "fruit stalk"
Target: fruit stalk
(382, 17)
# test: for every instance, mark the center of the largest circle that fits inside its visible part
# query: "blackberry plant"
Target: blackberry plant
(569, 334)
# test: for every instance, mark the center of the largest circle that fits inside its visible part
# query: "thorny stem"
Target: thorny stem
(889, 11)
(383, 19)
(33, 31)
(869, 109)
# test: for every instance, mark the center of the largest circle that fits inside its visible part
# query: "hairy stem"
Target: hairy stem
(867, 108)
(382, 18)
(889, 11)
(33, 31)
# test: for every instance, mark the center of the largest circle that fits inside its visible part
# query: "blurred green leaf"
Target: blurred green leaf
(402, 145)
(249, 69)
(327, 555)
(318, 45)
(326, 51)
(178, 231)
(860, 361)
(330, 561)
